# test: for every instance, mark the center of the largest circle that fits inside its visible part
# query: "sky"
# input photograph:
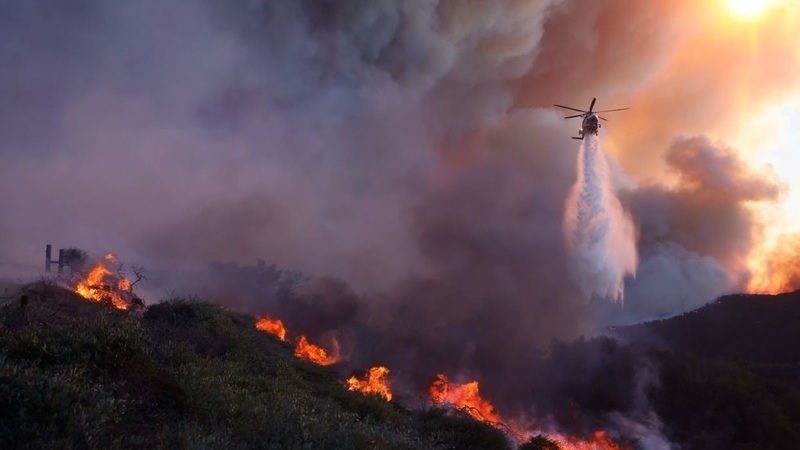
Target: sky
(407, 148)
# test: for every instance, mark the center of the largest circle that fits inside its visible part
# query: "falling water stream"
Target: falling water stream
(600, 235)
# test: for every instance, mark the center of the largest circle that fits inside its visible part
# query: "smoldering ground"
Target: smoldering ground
(382, 143)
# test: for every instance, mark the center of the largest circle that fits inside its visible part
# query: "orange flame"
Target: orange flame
(303, 349)
(103, 285)
(467, 398)
(463, 396)
(600, 441)
(318, 355)
(374, 383)
(776, 271)
(272, 326)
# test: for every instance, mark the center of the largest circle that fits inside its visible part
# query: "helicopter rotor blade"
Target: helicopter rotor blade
(572, 109)
(602, 118)
(572, 117)
(611, 110)
(592, 105)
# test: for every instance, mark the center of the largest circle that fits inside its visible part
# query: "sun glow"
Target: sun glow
(770, 140)
(748, 9)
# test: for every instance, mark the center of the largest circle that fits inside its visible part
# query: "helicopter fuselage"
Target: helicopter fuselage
(590, 125)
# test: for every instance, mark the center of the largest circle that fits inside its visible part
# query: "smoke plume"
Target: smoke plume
(600, 234)
(694, 233)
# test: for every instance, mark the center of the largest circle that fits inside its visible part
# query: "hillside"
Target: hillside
(760, 330)
(186, 374)
(729, 371)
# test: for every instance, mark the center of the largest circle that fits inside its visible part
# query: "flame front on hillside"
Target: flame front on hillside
(600, 441)
(374, 382)
(318, 355)
(303, 349)
(466, 397)
(272, 326)
(103, 285)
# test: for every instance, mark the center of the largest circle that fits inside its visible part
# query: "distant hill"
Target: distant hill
(760, 329)
(729, 372)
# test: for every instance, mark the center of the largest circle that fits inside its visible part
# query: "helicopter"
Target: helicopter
(590, 123)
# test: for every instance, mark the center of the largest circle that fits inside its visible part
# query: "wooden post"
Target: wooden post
(47, 257)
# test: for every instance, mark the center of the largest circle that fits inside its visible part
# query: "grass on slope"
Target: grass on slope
(186, 374)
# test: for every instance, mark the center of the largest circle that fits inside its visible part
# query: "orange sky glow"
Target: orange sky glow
(732, 74)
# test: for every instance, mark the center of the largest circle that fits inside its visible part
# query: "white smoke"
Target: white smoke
(600, 235)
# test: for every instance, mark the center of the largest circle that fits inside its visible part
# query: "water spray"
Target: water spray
(600, 235)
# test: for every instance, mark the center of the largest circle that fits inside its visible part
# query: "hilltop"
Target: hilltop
(757, 331)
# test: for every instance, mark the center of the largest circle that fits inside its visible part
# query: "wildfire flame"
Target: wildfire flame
(272, 326)
(375, 382)
(103, 285)
(776, 271)
(303, 349)
(318, 355)
(465, 397)
(600, 441)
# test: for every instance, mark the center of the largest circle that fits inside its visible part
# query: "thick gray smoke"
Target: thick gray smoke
(322, 136)
(693, 234)
(600, 235)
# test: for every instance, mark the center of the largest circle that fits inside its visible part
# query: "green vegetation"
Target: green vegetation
(186, 374)
(719, 404)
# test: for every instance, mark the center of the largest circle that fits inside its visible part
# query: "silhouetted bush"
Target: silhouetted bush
(75, 259)
(539, 442)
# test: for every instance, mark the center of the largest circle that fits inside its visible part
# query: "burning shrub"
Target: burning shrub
(102, 284)
(272, 326)
(318, 355)
(304, 349)
(374, 383)
(465, 397)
